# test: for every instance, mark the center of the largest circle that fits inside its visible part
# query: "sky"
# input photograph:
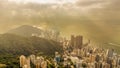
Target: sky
(92, 18)
(46, 1)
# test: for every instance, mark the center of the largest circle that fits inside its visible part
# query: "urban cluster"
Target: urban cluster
(75, 55)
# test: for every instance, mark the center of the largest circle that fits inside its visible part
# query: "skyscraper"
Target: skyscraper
(77, 41)
(72, 40)
(22, 60)
(110, 53)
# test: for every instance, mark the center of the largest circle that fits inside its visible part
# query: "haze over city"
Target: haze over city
(59, 34)
(94, 19)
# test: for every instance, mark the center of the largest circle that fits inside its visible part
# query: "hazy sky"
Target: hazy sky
(91, 18)
(46, 1)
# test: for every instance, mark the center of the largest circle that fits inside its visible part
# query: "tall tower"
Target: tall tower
(80, 42)
(22, 60)
(73, 41)
(77, 41)
(32, 58)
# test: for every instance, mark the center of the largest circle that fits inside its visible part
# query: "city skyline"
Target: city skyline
(59, 33)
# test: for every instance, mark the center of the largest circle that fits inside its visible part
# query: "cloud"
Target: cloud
(83, 17)
(110, 12)
(45, 1)
(89, 2)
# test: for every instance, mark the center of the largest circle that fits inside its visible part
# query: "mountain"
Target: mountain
(18, 45)
(25, 31)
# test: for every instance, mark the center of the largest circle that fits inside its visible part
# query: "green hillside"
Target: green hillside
(17, 45)
(12, 46)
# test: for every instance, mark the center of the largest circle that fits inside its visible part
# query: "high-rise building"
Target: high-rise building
(25, 66)
(32, 58)
(107, 65)
(96, 65)
(44, 64)
(110, 53)
(38, 62)
(22, 60)
(92, 58)
(28, 62)
(97, 58)
(72, 40)
(77, 41)
(37, 65)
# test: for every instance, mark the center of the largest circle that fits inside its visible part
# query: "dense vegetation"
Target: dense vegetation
(12, 46)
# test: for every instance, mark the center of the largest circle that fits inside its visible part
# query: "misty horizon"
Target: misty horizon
(92, 19)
